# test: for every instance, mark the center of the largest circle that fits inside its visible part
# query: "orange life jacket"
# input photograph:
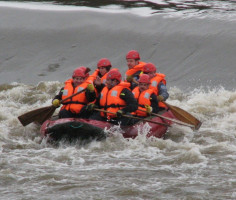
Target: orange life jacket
(91, 79)
(76, 103)
(103, 78)
(93, 76)
(154, 85)
(135, 69)
(110, 99)
(142, 99)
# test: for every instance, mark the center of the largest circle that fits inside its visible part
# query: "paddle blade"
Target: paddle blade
(184, 116)
(39, 115)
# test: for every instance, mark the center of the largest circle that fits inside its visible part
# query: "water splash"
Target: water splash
(183, 154)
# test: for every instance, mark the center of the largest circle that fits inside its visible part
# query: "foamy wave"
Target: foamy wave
(216, 108)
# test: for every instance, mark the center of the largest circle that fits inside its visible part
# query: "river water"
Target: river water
(192, 42)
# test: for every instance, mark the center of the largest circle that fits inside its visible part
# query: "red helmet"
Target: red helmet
(114, 74)
(144, 78)
(81, 71)
(133, 54)
(149, 67)
(104, 62)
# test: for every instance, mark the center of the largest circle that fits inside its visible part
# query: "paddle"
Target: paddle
(170, 119)
(184, 116)
(132, 117)
(41, 114)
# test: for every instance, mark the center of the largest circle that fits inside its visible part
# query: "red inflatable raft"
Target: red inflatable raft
(72, 129)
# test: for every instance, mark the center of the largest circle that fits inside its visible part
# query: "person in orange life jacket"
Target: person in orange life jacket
(135, 67)
(146, 97)
(117, 98)
(75, 106)
(100, 74)
(158, 83)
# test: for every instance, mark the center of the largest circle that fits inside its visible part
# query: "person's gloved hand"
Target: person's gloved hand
(160, 98)
(90, 107)
(119, 113)
(129, 78)
(90, 87)
(148, 109)
(56, 103)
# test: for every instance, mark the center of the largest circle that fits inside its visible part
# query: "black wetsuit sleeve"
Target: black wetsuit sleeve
(59, 95)
(90, 96)
(131, 103)
(133, 85)
(154, 103)
(99, 87)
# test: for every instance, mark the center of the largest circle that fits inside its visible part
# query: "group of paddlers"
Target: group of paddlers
(104, 96)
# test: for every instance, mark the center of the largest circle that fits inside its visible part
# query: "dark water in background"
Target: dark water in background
(156, 6)
(192, 42)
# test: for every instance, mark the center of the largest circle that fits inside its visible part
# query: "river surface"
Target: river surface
(192, 42)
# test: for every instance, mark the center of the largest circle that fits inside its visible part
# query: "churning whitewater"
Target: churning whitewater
(39, 50)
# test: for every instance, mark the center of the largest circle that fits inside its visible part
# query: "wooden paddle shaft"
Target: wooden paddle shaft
(132, 117)
(170, 119)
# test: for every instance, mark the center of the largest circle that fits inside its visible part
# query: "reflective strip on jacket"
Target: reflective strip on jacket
(78, 101)
(142, 98)
(110, 99)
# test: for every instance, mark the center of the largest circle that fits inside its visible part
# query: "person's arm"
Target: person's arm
(98, 83)
(131, 103)
(99, 87)
(154, 103)
(56, 101)
(163, 91)
(59, 95)
(133, 80)
(90, 96)
(136, 75)
(133, 85)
